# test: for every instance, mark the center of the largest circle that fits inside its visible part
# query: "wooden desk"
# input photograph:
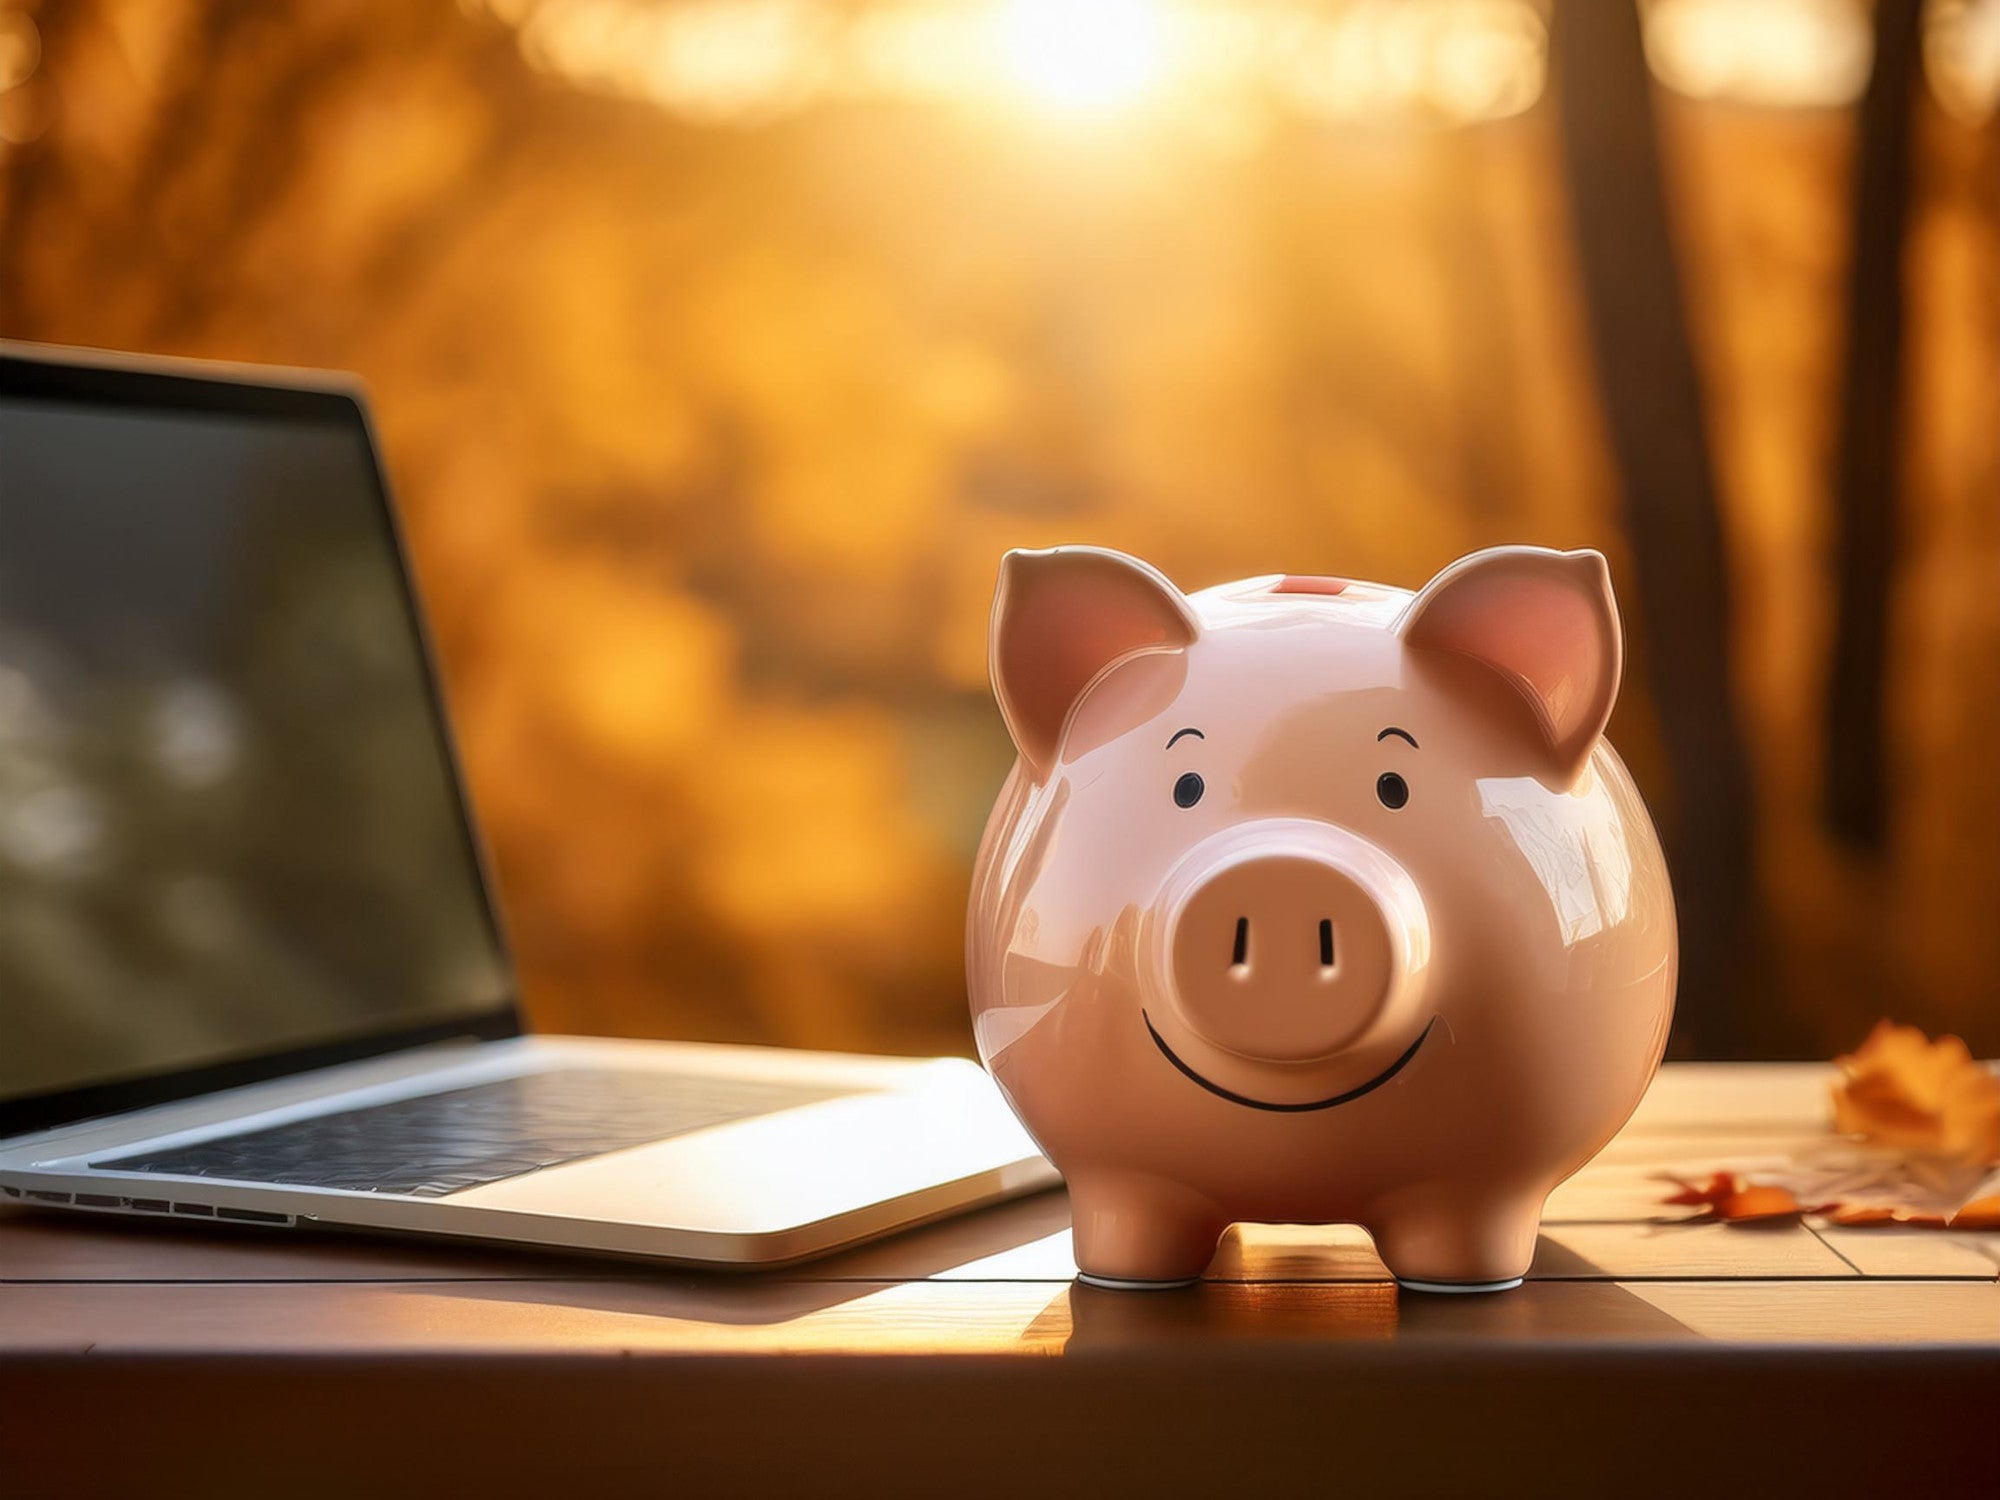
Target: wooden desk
(958, 1360)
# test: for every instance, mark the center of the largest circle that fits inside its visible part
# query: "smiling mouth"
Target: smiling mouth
(1290, 1109)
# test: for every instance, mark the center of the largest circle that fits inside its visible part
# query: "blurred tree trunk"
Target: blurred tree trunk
(1870, 424)
(1492, 465)
(1651, 399)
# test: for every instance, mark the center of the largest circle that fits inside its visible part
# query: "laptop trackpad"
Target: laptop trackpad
(784, 1170)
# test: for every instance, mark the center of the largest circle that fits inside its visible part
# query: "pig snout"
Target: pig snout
(1289, 941)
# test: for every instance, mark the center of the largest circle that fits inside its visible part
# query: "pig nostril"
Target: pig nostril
(1241, 954)
(1325, 943)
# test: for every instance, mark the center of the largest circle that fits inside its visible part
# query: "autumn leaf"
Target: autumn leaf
(1904, 1090)
(1726, 1197)
(1919, 1124)
(1980, 1213)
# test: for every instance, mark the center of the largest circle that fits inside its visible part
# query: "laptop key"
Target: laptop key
(442, 1143)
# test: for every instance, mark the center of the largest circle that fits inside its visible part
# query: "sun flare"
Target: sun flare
(1082, 56)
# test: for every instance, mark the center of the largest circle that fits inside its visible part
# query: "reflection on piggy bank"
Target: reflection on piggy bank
(1316, 901)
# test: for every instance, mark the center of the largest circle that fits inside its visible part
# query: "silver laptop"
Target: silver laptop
(250, 967)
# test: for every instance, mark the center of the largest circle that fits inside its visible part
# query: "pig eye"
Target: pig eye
(1188, 790)
(1392, 789)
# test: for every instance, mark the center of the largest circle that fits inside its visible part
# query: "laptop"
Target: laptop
(251, 969)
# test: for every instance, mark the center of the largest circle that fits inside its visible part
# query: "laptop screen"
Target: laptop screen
(231, 838)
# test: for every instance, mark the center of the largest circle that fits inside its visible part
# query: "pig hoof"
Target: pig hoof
(1128, 1284)
(1458, 1286)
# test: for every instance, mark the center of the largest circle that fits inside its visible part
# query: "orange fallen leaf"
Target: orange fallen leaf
(1728, 1198)
(1920, 1127)
(1760, 1202)
(1904, 1090)
(1980, 1213)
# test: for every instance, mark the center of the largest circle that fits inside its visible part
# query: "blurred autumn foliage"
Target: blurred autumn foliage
(709, 432)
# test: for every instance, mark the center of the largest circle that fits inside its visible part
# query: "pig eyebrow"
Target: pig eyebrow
(1400, 733)
(1179, 733)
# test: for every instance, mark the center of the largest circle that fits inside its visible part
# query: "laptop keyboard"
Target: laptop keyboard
(442, 1143)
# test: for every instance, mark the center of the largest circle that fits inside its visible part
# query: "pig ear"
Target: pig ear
(1062, 616)
(1546, 622)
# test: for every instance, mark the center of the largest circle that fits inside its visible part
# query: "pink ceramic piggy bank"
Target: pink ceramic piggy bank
(1316, 901)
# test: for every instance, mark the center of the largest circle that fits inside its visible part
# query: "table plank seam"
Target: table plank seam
(1606, 1278)
(1814, 1231)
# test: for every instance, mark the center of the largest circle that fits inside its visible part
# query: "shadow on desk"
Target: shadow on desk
(995, 1282)
(961, 1360)
(957, 1360)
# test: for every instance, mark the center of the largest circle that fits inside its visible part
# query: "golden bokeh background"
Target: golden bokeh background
(720, 347)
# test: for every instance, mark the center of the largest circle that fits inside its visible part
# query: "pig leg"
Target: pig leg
(1455, 1238)
(1141, 1233)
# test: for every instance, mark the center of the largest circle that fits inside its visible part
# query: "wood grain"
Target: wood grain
(964, 1357)
(1917, 1253)
(1622, 1252)
(621, 1318)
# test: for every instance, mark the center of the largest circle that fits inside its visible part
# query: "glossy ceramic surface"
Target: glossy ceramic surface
(1316, 901)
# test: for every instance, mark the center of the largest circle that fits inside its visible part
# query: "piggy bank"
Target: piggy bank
(1315, 901)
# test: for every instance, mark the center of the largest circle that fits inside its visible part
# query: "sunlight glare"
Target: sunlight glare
(1775, 53)
(1082, 56)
